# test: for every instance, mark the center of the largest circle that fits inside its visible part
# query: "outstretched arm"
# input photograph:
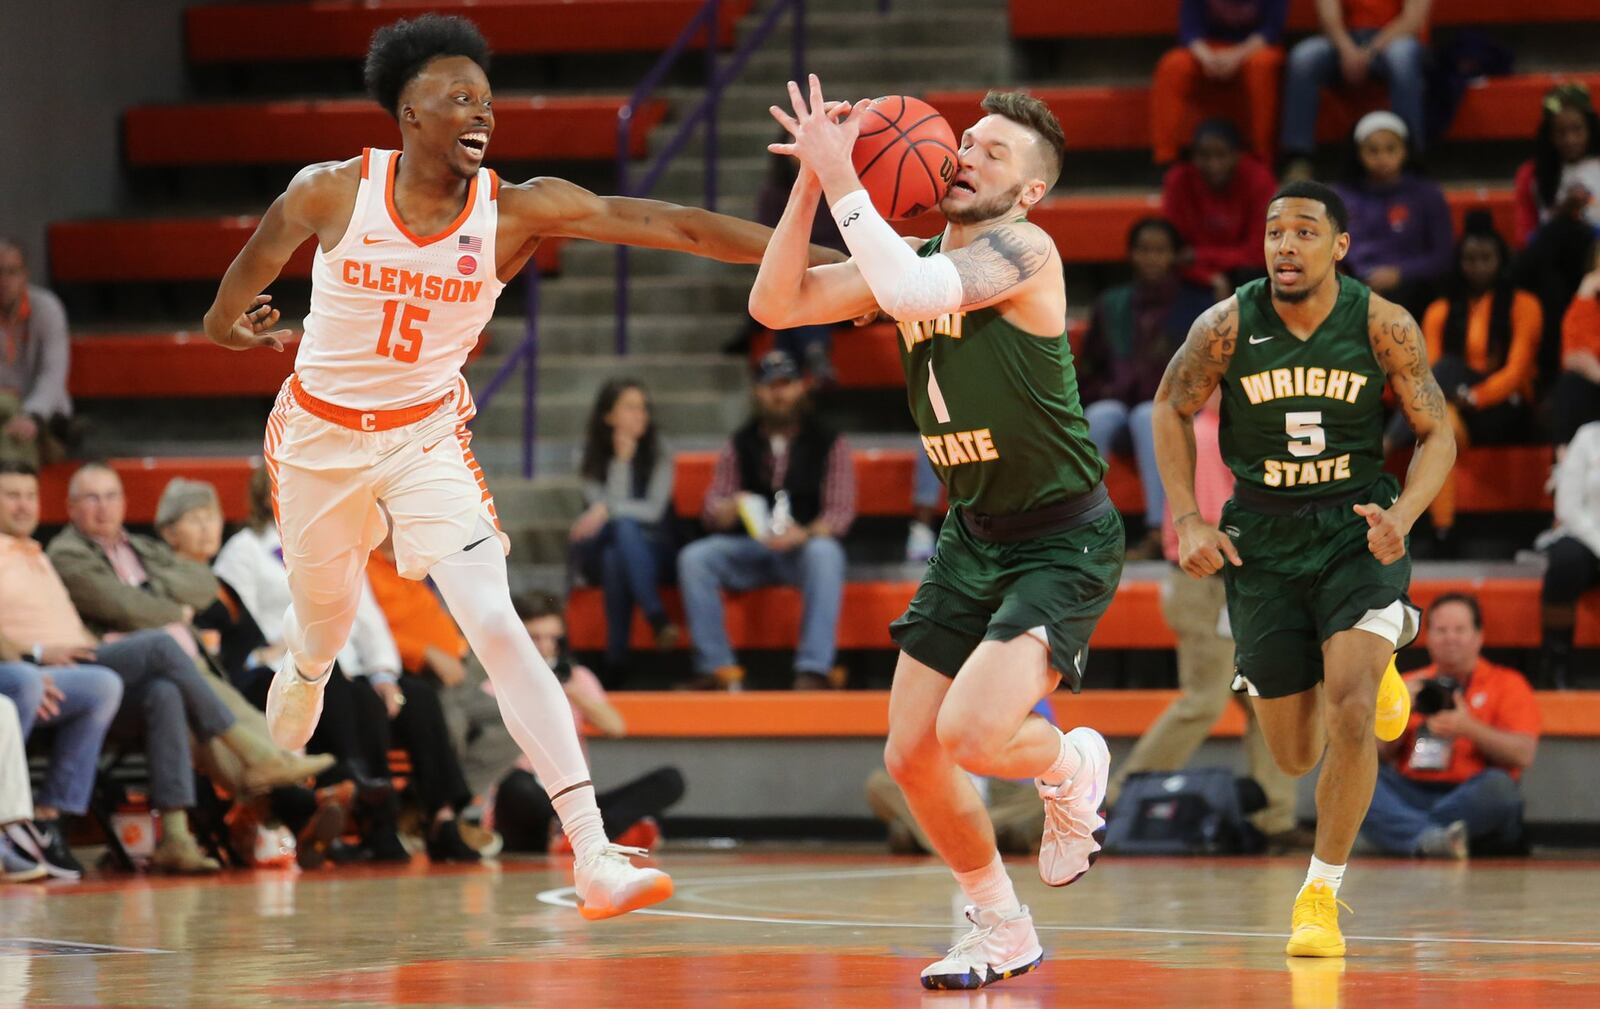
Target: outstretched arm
(549, 207)
(1192, 375)
(241, 317)
(1403, 354)
(786, 294)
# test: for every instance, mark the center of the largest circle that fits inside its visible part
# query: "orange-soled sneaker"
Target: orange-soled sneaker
(609, 884)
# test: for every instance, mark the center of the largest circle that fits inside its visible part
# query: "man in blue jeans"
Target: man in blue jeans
(78, 701)
(782, 495)
(1451, 779)
(1360, 39)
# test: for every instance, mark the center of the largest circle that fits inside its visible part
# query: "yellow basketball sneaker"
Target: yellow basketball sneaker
(1394, 705)
(1315, 925)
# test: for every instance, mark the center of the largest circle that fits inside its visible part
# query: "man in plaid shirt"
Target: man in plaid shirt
(783, 456)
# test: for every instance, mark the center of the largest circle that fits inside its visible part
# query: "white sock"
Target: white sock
(580, 818)
(1321, 872)
(474, 586)
(990, 888)
(1066, 764)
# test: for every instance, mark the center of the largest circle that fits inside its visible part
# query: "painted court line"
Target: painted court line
(565, 897)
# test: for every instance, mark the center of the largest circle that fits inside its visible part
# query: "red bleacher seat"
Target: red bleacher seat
(1094, 229)
(341, 29)
(143, 480)
(1115, 118)
(1092, 19)
(1505, 478)
(178, 365)
(121, 250)
(303, 131)
(857, 713)
(770, 618)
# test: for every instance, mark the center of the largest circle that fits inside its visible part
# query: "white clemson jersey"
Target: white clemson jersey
(395, 314)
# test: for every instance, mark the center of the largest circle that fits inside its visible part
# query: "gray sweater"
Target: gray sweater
(617, 491)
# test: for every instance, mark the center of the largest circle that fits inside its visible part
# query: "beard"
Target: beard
(977, 213)
(1292, 297)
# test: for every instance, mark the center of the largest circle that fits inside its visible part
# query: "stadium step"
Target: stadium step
(333, 129)
(770, 618)
(312, 30)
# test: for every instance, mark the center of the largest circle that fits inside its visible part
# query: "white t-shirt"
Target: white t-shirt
(252, 565)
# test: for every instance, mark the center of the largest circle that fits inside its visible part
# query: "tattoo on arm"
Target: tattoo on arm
(1199, 364)
(1000, 260)
(1401, 350)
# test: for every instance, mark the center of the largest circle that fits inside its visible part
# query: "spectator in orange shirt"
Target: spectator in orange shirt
(1577, 391)
(1483, 340)
(432, 648)
(1451, 779)
(1227, 49)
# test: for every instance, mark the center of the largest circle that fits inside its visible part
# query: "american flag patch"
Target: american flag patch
(466, 243)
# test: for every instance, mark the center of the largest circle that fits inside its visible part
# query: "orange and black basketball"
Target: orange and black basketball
(905, 155)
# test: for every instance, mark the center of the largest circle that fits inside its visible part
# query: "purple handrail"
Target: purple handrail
(527, 352)
(716, 82)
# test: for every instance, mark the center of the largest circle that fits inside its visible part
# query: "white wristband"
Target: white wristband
(909, 287)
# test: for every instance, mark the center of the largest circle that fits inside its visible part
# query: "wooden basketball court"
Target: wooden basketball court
(812, 927)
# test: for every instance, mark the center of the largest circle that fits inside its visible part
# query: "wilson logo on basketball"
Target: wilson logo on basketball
(467, 265)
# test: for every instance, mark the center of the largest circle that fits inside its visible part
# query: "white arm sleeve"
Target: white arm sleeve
(911, 288)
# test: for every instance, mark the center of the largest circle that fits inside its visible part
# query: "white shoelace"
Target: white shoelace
(618, 850)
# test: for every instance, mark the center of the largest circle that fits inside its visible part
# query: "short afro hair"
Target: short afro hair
(1329, 197)
(400, 51)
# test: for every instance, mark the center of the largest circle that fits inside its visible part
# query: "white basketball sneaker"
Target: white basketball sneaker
(294, 705)
(1073, 826)
(997, 948)
(609, 884)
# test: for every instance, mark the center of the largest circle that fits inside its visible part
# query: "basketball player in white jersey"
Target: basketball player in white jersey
(371, 430)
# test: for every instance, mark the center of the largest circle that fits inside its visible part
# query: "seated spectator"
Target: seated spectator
(439, 691)
(189, 519)
(1400, 227)
(1195, 609)
(1573, 551)
(1134, 331)
(523, 813)
(1450, 781)
(1014, 808)
(1217, 198)
(622, 542)
(1577, 392)
(358, 704)
(782, 495)
(1483, 340)
(35, 352)
(123, 582)
(1226, 49)
(165, 696)
(78, 702)
(927, 494)
(1558, 209)
(1360, 40)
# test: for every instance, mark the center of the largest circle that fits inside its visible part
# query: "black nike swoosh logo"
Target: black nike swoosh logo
(474, 543)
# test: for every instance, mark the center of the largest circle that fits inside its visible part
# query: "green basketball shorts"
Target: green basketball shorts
(1054, 587)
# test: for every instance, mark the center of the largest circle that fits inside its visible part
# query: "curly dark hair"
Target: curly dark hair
(400, 51)
(597, 446)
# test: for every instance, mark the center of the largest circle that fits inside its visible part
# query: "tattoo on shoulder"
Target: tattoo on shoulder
(1199, 364)
(1000, 260)
(1402, 352)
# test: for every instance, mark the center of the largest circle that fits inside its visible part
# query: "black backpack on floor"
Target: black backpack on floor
(1192, 812)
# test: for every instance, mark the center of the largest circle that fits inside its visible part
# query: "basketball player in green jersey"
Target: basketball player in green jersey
(1032, 551)
(1312, 547)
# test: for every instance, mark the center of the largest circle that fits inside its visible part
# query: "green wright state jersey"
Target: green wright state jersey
(998, 410)
(1303, 418)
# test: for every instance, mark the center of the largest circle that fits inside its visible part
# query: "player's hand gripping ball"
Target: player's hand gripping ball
(905, 156)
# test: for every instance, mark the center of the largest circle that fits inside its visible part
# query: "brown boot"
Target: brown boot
(180, 853)
(288, 769)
